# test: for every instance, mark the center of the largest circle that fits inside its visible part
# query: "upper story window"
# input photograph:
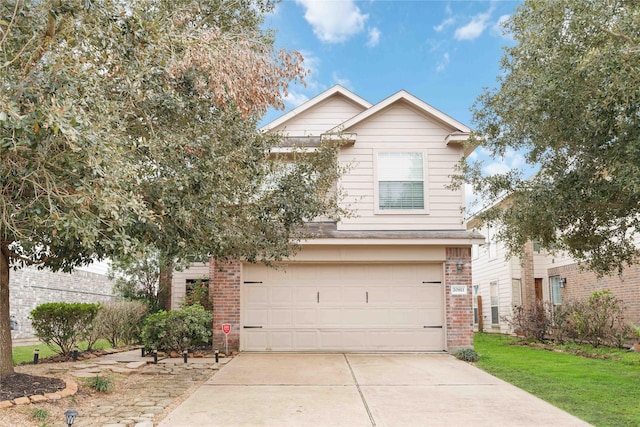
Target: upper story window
(492, 242)
(401, 181)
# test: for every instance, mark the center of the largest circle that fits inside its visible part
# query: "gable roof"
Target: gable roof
(405, 96)
(337, 89)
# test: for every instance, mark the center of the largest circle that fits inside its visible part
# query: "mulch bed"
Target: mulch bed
(21, 385)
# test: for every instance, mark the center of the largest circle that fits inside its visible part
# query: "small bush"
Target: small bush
(100, 384)
(40, 414)
(468, 355)
(120, 323)
(531, 322)
(62, 325)
(599, 320)
(177, 329)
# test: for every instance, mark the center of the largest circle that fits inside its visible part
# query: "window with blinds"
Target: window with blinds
(401, 181)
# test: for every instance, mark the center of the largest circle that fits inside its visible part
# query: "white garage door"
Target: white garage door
(343, 307)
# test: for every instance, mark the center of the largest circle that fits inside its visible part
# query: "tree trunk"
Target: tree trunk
(6, 360)
(164, 281)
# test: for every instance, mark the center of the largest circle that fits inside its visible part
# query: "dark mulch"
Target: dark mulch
(20, 385)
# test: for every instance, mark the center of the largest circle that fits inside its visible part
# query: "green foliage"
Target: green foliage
(121, 322)
(599, 320)
(467, 354)
(40, 414)
(62, 325)
(177, 329)
(131, 124)
(568, 99)
(136, 278)
(100, 384)
(603, 392)
(198, 293)
(24, 354)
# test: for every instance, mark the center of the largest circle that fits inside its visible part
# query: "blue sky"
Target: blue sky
(443, 52)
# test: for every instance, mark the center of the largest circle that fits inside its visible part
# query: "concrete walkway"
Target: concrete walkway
(360, 390)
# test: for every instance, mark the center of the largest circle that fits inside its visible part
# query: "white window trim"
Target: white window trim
(497, 305)
(376, 193)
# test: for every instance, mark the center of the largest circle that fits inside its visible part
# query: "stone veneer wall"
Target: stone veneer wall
(459, 308)
(30, 287)
(581, 284)
(224, 286)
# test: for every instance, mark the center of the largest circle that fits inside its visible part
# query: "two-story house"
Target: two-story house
(502, 282)
(394, 276)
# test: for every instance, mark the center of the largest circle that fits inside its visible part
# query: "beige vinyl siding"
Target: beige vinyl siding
(321, 118)
(178, 283)
(401, 127)
(485, 271)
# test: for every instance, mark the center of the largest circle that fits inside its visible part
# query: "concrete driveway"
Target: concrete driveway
(360, 390)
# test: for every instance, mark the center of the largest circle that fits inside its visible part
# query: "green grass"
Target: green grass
(25, 353)
(603, 392)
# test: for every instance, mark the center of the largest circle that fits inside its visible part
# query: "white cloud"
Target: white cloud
(341, 81)
(442, 64)
(293, 99)
(474, 28)
(444, 24)
(498, 27)
(510, 160)
(334, 21)
(374, 37)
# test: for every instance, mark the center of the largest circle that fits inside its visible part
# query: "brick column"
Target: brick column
(459, 308)
(527, 276)
(225, 293)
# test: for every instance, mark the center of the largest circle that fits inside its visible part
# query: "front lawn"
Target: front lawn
(603, 392)
(25, 353)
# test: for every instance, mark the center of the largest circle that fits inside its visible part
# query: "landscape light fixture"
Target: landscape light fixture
(459, 266)
(70, 415)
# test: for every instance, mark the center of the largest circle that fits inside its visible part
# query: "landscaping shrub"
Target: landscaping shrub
(120, 323)
(64, 324)
(177, 330)
(531, 322)
(598, 320)
(468, 355)
(100, 384)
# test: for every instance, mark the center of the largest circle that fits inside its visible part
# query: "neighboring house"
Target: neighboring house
(504, 283)
(396, 275)
(29, 287)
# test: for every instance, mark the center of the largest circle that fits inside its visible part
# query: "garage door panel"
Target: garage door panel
(257, 317)
(280, 295)
(330, 318)
(348, 307)
(330, 295)
(355, 295)
(281, 340)
(306, 318)
(305, 296)
(257, 295)
(281, 318)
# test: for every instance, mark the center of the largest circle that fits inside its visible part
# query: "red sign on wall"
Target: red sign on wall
(226, 328)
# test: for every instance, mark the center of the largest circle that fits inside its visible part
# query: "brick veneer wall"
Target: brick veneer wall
(580, 284)
(30, 287)
(225, 293)
(224, 287)
(459, 308)
(528, 281)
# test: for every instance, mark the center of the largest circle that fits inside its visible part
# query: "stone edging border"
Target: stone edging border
(70, 389)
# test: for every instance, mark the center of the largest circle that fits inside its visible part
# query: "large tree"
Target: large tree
(569, 100)
(119, 120)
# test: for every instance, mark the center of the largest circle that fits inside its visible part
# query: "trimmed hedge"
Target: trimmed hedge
(64, 324)
(177, 330)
